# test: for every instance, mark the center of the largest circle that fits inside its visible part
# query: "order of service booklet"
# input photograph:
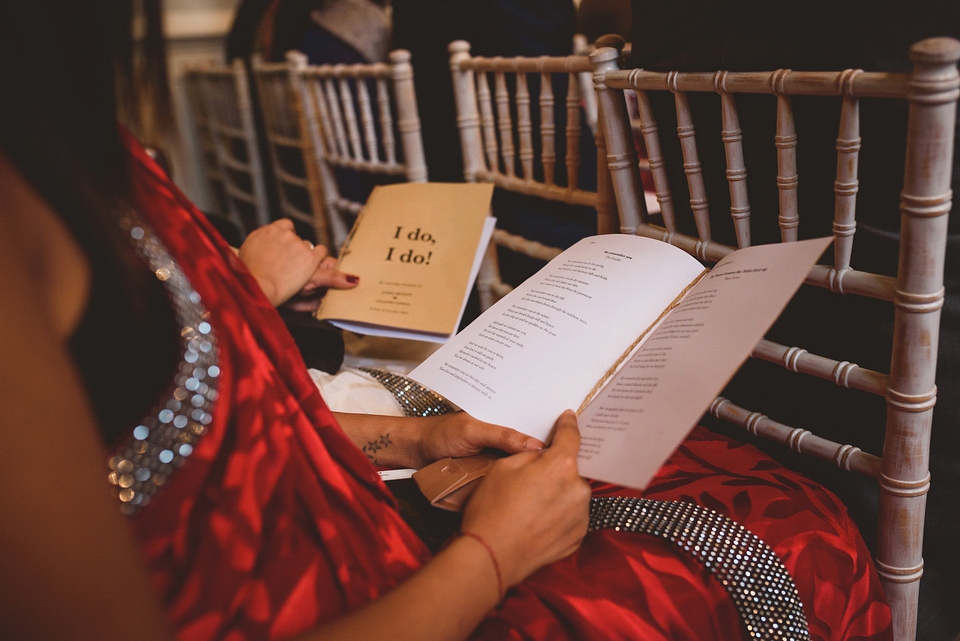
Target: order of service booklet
(417, 249)
(633, 331)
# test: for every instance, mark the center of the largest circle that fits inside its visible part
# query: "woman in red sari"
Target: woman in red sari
(240, 507)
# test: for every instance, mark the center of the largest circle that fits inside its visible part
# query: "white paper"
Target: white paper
(541, 349)
(656, 398)
(544, 347)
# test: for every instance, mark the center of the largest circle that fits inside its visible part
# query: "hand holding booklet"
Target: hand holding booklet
(417, 249)
(633, 331)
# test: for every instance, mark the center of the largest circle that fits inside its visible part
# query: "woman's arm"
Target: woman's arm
(68, 568)
(530, 509)
(410, 441)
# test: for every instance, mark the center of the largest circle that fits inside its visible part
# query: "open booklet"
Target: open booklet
(417, 249)
(633, 331)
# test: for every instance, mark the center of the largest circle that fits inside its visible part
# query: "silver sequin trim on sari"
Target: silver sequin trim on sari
(753, 576)
(162, 441)
(414, 398)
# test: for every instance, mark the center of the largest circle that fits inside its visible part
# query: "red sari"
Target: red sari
(277, 522)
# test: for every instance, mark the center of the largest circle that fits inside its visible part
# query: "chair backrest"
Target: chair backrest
(363, 128)
(228, 114)
(292, 165)
(583, 47)
(500, 145)
(206, 147)
(916, 291)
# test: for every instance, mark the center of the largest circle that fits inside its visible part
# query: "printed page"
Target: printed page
(415, 249)
(542, 348)
(656, 398)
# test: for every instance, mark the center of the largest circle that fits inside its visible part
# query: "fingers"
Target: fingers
(513, 441)
(566, 435)
(503, 439)
(319, 256)
(565, 446)
(281, 261)
(533, 497)
(566, 440)
(477, 435)
(327, 275)
(334, 278)
(284, 231)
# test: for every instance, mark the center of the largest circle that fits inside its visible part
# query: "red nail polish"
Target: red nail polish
(353, 280)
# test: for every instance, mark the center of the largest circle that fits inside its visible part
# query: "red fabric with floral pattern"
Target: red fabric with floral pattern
(635, 586)
(277, 522)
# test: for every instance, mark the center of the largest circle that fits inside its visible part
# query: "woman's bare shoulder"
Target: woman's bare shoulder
(65, 541)
(37, 249)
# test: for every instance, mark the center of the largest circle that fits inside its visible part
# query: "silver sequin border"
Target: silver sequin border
(165, 438)
(754, 577)
(414, 398)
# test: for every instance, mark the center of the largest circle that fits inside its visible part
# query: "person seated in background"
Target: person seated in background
(327, 31)
(596, 18)
(139, 355)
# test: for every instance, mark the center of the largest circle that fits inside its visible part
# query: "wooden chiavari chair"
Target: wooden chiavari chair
(290, 151)
(228, 114)
(363, 127)
(206, 146)
(334, 132)
(916, 292)
(583, 47)
(497, 114)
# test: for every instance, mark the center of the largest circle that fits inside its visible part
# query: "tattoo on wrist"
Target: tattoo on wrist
(374, 446)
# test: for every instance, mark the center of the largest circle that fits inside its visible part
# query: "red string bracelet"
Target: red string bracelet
(493, 557)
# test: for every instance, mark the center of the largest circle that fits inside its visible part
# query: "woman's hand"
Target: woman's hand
(532, 508)
(417, 441)
(288, 267)
(459, 434)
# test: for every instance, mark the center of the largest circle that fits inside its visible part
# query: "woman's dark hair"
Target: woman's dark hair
(68, 69)
(65, 66)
